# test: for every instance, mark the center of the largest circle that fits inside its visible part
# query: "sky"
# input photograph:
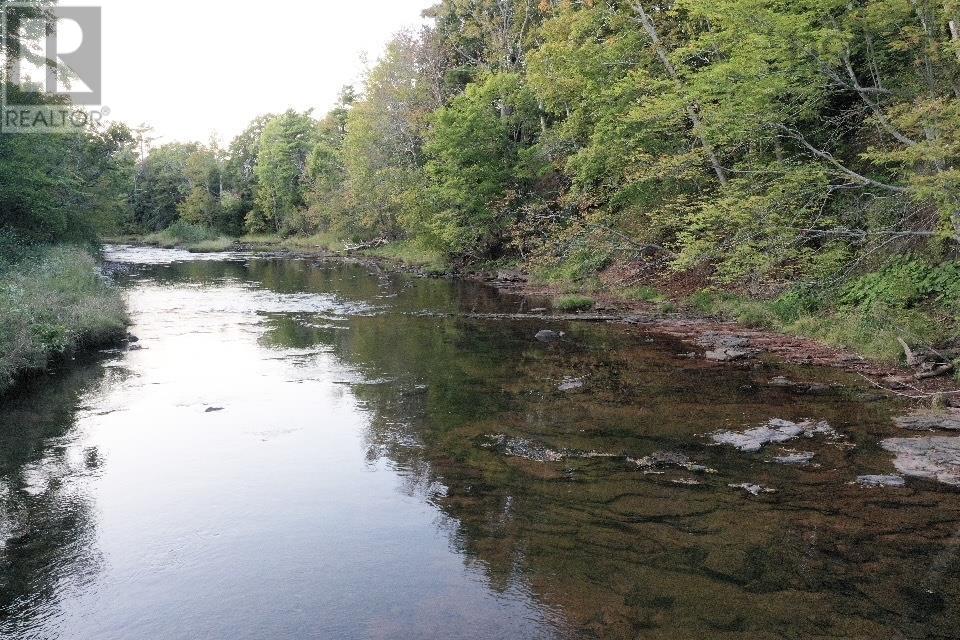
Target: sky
(193, 67)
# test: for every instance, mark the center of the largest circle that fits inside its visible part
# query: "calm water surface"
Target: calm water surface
(300, 449)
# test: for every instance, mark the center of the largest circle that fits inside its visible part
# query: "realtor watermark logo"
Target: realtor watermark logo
(51, 71)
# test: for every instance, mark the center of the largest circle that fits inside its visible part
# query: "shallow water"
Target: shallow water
(297, 449)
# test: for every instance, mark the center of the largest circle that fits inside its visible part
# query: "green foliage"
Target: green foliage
(573, 303)
(476, 167)
(580, 264)
(64, 187)
(643, 294)
(162, 185)
(412, 252)
(285, 145)
(905, 285)
(53, 301)
(872, 331)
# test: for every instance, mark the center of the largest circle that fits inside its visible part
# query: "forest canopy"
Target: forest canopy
(765, 140)
(763, 145)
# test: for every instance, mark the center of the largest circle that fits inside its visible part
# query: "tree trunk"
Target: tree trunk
(955, 35)
(692, 111)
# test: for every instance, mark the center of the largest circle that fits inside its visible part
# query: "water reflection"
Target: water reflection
(297, 451)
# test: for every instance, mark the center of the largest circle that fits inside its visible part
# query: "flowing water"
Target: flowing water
(304, 449)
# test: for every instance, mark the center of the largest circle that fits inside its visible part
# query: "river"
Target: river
(299, 448)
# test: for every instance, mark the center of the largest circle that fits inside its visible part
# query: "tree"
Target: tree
(281, 166)
(239, 171)
(478, 161)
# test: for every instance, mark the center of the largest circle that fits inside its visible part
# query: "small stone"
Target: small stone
(546, 335)
(795, 458)
(660, 459)
(571, 384)
(881, 481)
(781, 381)
(896, 382)
(213, 409)
(752, 489)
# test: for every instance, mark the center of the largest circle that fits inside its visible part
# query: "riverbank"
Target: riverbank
(53, 302)
(858, 339)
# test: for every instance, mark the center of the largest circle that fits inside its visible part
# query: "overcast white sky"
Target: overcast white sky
(189, 67)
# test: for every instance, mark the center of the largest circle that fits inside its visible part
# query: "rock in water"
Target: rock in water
(795, 457)
(661, 459)
(753, 489)
(571, 384)
(933, 457)
(881, 481)
(930, 421)
(546, 335)
(726, 354)
(776, 430)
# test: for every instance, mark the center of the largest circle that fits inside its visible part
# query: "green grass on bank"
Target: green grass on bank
(191, 237)
(53, 301)
(412, 253)
(317, 241)
(572, 303)
(870, 330)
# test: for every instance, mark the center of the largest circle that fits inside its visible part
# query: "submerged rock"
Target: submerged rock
(930, 421)
(881, 481)
(752, 489)
(661, 459)
(571, 384)
(933, 457)
(812, 388)
(536, 451)
(546, 335)
(726, 354)
(782, 381)
(520, 448)
(795, 457)
(722, 347)
(774, 431)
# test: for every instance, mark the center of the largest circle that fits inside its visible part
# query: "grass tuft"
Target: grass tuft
(573, 302)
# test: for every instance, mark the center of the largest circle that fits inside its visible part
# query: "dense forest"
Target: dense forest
(799, 153)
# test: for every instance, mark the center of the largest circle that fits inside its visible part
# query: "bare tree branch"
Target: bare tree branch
(828, 157)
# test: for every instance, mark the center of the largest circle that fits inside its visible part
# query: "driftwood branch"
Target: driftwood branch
(908, 352)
